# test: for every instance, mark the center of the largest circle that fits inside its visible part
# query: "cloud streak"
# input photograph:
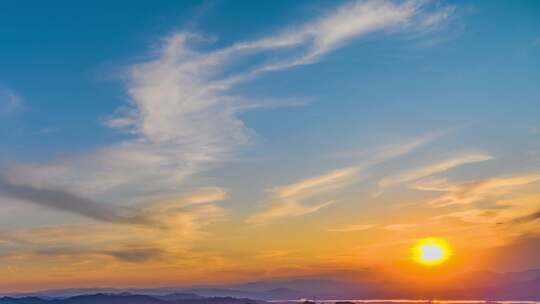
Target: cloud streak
(474, 191)
(353, 228)
(296, 199)
(445, 165)
(130, 255)
(290, 200)
(153, 214)
(528, 218)
(68, 202)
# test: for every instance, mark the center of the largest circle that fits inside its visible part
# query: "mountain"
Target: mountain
(179, 296)
(524, 285)
(126, 299)
(273, 294)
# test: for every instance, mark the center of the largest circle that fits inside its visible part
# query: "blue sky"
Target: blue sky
(68, 70)
(252, 105)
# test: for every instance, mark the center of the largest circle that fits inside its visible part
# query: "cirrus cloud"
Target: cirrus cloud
(182, 117)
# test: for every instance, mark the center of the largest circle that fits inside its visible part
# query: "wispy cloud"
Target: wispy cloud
(474, 215)
(380, 154)
(352, 228)
(528, 218)
(131, 255)
(399, 227)
(474, 191)
(174, 224)
(158, 214)
(507, 207)
(67, 202)
(295, 199)
(182, 116)
(286, 201)
(445, 165)
(362, 227)
(350, 21)
(9, 100)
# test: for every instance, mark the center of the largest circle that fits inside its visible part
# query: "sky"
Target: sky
(160, 143)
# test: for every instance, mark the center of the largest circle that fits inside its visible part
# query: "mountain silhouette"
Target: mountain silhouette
(484, 285)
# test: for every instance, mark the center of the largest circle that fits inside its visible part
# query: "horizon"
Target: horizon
(211, 142)
(187, 288)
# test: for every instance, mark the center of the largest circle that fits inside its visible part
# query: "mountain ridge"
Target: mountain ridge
(521, 285)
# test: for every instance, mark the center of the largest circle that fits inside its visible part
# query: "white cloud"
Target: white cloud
(297, 199)
(373, 156)
(474, 191)
(182, 116)
(431, 169)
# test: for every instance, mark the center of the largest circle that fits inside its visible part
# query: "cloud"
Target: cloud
(67, 202)
(308, 187)
(136, 255)
(48, 130)
(399, 227)
(9, 100)
(186, 214)
(287, 200)
(6, 238)
(205, 195)
(380, 154)
(296, 199)
(182, 117)
(431, 169)
(152, 214)
(474, 191)
(174, 224)
(131, 255)
(350, 21)
(351, 228)
(528, 218)
(362, 227)
(403, 148)
(283, 209)
(476, 216)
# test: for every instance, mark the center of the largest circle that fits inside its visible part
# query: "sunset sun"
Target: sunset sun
(431, 251)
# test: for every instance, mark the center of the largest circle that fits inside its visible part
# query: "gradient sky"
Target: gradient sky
(152, 143)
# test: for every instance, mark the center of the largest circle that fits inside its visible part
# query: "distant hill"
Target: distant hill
(127, 299)
(273, 294)
(485, 285)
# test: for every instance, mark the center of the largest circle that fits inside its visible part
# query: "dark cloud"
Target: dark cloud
(68, 202)
(136, 255)
(528, 218)
(131, 255)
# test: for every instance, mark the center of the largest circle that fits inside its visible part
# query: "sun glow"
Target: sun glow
(431, 251)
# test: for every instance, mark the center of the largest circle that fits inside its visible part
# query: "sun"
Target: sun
(431, 251)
